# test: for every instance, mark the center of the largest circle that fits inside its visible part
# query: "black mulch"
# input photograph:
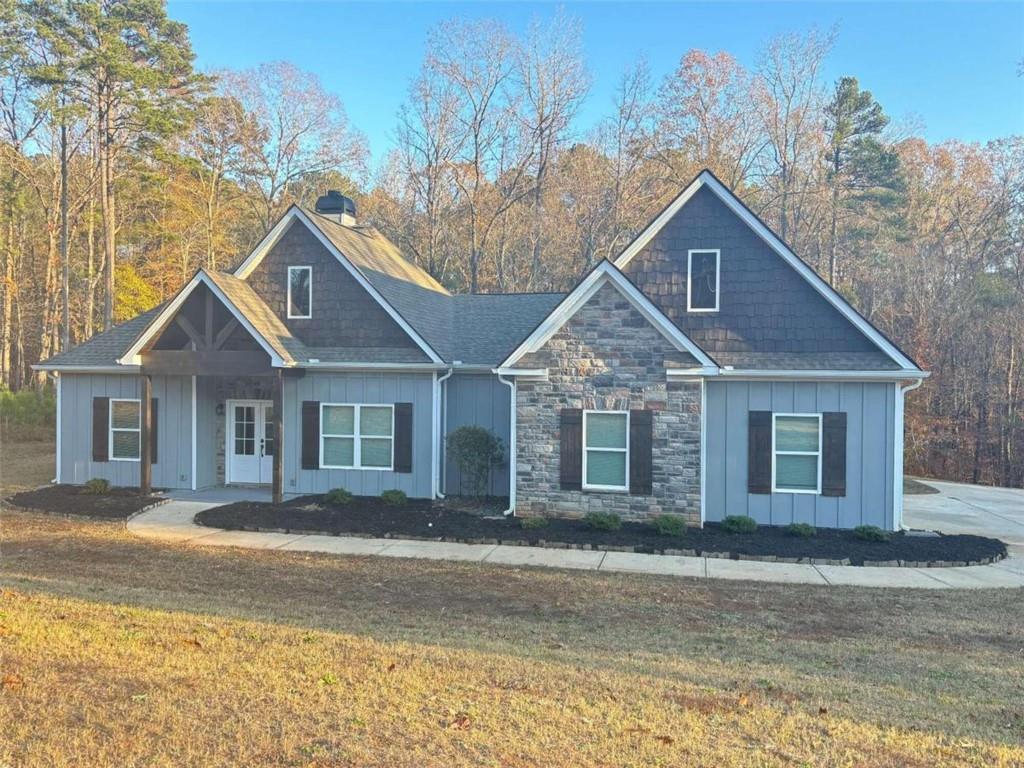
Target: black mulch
(117, 504)
(422, 520)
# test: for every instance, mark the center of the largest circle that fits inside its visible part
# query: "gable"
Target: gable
(344, 314)
(770, 301)
(606, 334)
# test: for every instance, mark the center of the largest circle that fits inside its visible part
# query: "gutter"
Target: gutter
(511, 443)
(440, 413)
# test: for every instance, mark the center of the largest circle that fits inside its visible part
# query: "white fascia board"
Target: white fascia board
(812, 375)
(605, 272)
(297, 214)
(812, 277)
(522, 373)
(329, 366)
(131, 356)
(59, 368)
(692, 373)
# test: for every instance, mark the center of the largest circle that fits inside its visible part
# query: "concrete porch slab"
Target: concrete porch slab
(555, 558)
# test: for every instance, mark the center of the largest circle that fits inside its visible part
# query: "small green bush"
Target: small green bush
(97, 487)
(338, 497)
(475, 451)
(801, 530)
(603, 521)
(669, 525)
(739, 524)
(870, 533)
(394, 497)
(529, 523)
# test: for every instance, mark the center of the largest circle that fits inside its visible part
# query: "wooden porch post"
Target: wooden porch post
(145, 457)
(278, 471)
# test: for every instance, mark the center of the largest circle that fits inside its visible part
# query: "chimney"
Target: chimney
(337, 207)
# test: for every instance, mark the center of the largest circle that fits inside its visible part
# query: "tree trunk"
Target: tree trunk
(107, 207)
(65, 281)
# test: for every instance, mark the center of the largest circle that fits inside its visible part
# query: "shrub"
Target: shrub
(870, 533)
(475, 450)
(739, 524)
(394, 497)
(801, 530)
(533, 522)
(97, 487)
(603, 521)
(338, 497)
(669, 525)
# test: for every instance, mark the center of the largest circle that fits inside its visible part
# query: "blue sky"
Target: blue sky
(950, 66)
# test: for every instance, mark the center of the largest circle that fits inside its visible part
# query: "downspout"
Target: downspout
(897, 481)
(440, 415)
(511, 445)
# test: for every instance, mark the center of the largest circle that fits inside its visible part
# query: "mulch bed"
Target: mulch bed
(423, 520)
(72, 500)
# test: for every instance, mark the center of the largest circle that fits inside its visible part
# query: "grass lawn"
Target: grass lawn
(119, 651)
(26, 463)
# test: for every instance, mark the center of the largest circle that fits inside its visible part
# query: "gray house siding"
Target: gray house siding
(367, 388)
(173, 468)
(870, 409)
(207, 426)
(482, 400)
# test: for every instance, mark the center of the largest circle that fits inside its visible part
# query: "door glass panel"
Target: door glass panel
(268, 431)
(245, 430)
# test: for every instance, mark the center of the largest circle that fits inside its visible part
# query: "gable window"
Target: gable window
(702, 288)
(300, 292)
(356, 436)
(606, 450)
(796, 450)
(125, 429)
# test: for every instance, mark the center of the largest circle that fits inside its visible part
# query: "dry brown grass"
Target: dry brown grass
(117, 651)
(26, 464)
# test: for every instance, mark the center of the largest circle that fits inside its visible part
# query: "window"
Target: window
(606, 450)
(125, 429)
(300, 292)
(702, 289)
(356, 436)
(796, 446)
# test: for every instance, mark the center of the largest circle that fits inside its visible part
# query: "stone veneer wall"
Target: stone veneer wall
(608, 357)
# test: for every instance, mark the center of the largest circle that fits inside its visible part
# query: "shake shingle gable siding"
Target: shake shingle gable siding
(764, 305)
(344, 314)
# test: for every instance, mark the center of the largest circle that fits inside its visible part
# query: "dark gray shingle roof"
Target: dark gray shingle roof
(104, 348)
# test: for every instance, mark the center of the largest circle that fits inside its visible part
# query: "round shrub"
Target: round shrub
(475, 450)
(870, 533)
(739, 524)
(529, 523)
(97, 487)
(801, 530)
(603, 521)
(669, 525)
(337, 497)
(394, 497)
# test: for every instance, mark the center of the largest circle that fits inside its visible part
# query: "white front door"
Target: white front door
(250, 441)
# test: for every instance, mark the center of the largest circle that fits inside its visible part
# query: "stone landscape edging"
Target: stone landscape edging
(620, 548)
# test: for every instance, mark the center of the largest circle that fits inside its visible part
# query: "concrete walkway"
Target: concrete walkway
(174, 522)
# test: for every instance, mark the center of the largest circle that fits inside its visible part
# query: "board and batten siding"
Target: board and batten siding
(870, 409)
(173, 468)
(361, 388)
(480, 400)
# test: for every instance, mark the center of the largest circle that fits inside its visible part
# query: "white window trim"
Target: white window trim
(111, 429)
(356, 437)
(585, 485)
(309, 314)
(775, 487)
(689, 279)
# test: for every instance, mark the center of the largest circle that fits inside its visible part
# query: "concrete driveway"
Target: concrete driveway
(962, 508)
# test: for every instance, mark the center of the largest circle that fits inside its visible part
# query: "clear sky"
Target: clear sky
(951, 67)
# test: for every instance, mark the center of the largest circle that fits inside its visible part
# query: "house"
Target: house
(706, 371)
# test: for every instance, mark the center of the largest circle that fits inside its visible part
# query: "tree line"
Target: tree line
(123, 169)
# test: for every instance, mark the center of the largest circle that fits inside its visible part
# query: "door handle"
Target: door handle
(263, 448)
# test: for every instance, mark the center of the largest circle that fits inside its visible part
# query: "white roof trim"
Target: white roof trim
(131, 357)
(70, 368)
(706, 178)
(522, 373)
(605, 272)
(297, 214)
(894, 375)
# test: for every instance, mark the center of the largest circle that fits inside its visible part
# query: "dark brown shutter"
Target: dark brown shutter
(833, 454)
(641, 437)
(311, 434)
(100, 429)
(153, 410)
(571, 449)
(403, 437)
(759, 452)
